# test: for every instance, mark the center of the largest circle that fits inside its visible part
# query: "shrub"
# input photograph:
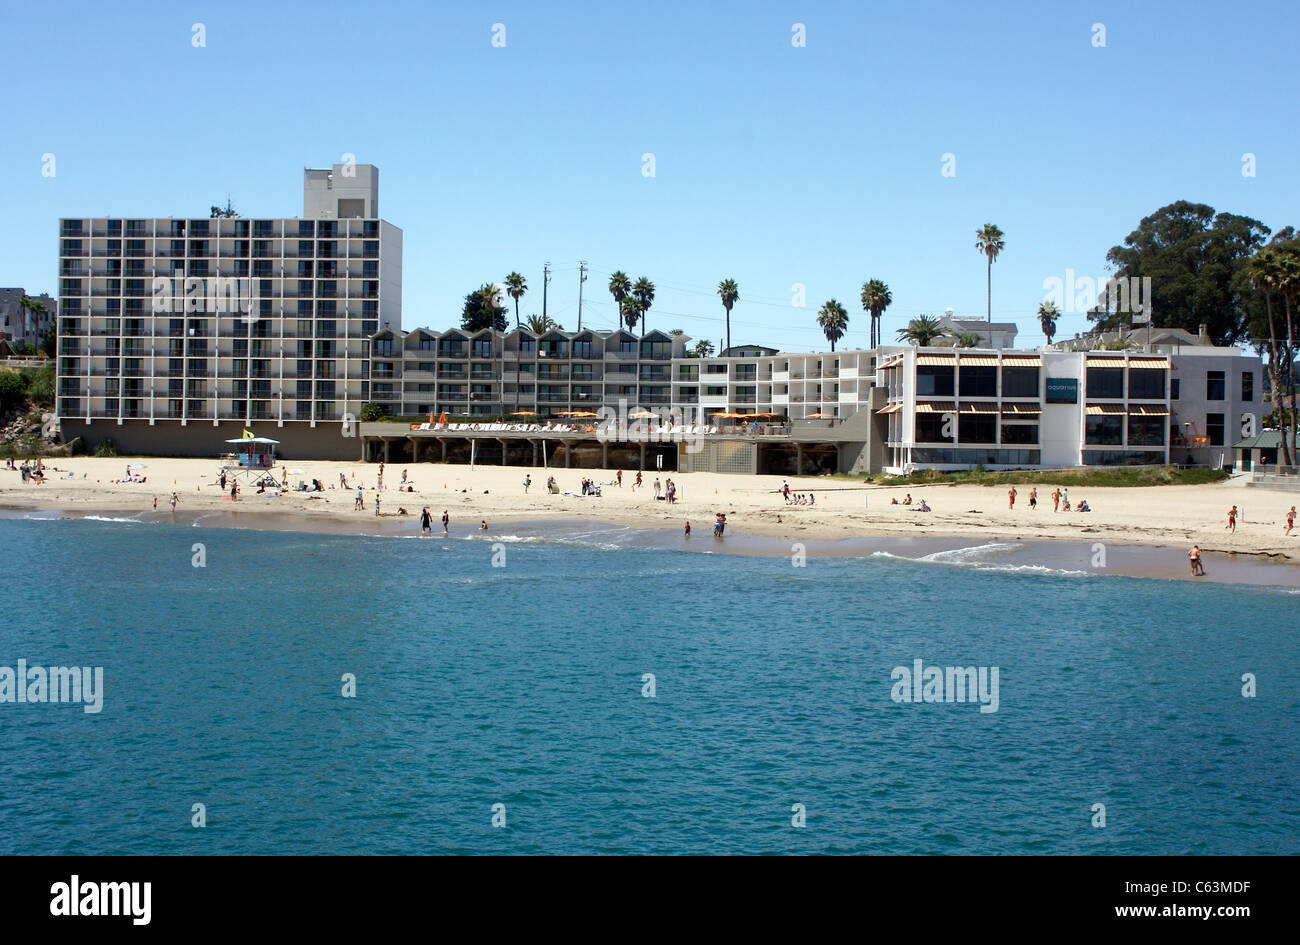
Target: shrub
(12, 388)
(77, 447)
(106, 448)
(371, 412)
(40, 385)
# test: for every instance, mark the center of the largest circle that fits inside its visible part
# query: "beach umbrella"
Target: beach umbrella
(137, 466)
(814, 416)
(442, 417)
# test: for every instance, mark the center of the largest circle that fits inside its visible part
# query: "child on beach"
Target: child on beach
(1033, 499)
(528, 481)
(1290, 520)
(1056, 500)
(1011, 497)
(619, 479)
(1232, 520)
(687, 532)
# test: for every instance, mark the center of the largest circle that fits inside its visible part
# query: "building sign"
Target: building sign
(1062, 390)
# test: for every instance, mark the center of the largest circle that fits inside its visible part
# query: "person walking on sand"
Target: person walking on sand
(637, 484)
(687, 531)
(426, 521)
(619, 479)
(234, 491)
(1194, 556)
(528, 481)
(1232, 520)
(155, 503)
(1011, 497)
(175, 499)
(376, 504)
(446, 522)
(360, 503)
(658, 487)
(1056, 499)
(1033, 499)
(1290, 520)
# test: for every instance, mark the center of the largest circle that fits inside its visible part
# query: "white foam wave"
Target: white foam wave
(963, 558)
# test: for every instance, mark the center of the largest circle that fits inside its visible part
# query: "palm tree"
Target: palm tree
(37, 308)
(619, 287)
(922, 331)
(833, 320)
(644, 291)
(1266, 276)
(875, 299)
(540, 324)
(1048, 313)
(989, 241)
(630, 311)
(515, 288)
(702, 349)
(25, 305)
(730, 293)
(967, 339)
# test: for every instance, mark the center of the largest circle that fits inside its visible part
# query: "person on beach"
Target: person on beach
(785, 489)
(376, 503)
(687, 532)
(1056, 499)
(637, 484)
(658, 488)
(907, 499)
(1194, 556)
(234, 491)
(1232, 520)
(1011, 497)
(222, 480)
(343, 481)
(619, 479)
(1290, 520)
(1033, 499)
(719, 523)
(482, 525)
(403, 477)
(175, 499)
(155, 503)
(446, 522)
(360, 500)
(528, 481)
(426, 521)
(381, 476)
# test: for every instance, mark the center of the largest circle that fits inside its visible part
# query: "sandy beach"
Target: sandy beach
(1159, 515)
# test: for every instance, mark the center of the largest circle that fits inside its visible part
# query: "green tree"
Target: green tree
(967, 339)
(644, 293)
(1274, 272)
(515, 288)
(922, 331)
(630, 312)
(989, 242)
(1048, 313)
(729, 292)
(483, 309)
(701, 349)
(371, 412)
(619, 287)
(875, 299)
(49, 343)
(227, 211)
(540, 324)
(1196, 260)
(833, 321)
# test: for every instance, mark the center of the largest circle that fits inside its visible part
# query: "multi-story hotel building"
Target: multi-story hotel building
(176, 334)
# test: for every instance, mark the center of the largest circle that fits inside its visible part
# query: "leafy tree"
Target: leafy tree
(1196, 260)
(922, 331)
(540, 324)
(1048, 313)
(701, 349)
(729, 292)
(833, 321)
(967, 339)
(50, 342)
(989, 241)
(875, 299)
(630, 312)
(227, 211)
(1275, 273)
(644, 293)
(619, 287)
(371, 412)
(515, 288)
(483, 309)
(12, 388)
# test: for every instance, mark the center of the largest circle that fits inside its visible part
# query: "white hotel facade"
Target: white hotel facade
(159, 375)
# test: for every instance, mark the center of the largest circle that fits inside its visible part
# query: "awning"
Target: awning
(1096, 410)
(979, 360)
(892, 408)
(1148, 410)
(936, 360)
(1105, 362)
(936, 406)
(1161, 364)
(979, 408)
(1018, 361)
(1022, 409)
(892, 362)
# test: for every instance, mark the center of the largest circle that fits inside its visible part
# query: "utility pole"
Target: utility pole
(582, 277)
(546, 280)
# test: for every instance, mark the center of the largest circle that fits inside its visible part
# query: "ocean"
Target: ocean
(582, 693)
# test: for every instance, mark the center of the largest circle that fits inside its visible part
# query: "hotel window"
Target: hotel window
(304, 390)
(327, 229)
(977, 427)
(307, 228)
(1175, 388)
(1020, 382)
(1146, 384)
(1105, 383)
(930, 428)
(1105, 430)
(262, 268)
(1214, 427)
(426, 344)
(306, 248)
(527, 345)
(715, 391)
(1019, 434)
(715, 369)
(1248, 386)
(1215, 387)
(1146, 431)
(384, 347)
(979, 381)
(304, 268)
(582, 349)
(933, 380)
(482, 347)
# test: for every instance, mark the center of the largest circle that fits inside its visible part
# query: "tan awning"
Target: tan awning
(1148, 410)
(1105, 362)
(1018, 361)
(936, 360)
(979, 408)
(892, 362)
(1022, 409)
(1096, 410)
(936, 406)
(1157, 363)
(979, 360)
(892, 408)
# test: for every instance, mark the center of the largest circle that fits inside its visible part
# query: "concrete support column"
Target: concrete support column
(504, 444)
(443, 440)
(643, 457)
(387, 444)
(798, 460)
(604, 455)
(568, 453)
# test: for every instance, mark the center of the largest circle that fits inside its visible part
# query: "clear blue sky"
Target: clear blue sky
(775, 165)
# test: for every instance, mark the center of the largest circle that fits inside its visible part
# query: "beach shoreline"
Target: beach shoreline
(847, 519)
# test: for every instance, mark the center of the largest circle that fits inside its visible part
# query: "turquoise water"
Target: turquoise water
(522, 685)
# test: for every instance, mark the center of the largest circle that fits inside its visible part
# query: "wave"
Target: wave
(111, 518)
(969, 558)
(958, 555)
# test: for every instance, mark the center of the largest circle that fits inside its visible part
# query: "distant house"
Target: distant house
(1164, 340)
(1258, 450)
(22, 327)
(997, 335)
(748, 351)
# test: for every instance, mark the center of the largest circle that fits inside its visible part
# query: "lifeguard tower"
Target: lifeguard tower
(255, 454)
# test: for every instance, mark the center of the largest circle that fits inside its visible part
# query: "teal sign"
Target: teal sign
(1062, 390)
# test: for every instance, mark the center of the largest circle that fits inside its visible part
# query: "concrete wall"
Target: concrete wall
(298, 441)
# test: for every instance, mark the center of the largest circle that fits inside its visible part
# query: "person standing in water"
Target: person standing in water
(446, 522)
(1194, 556)
(687, 532)
(426, 521)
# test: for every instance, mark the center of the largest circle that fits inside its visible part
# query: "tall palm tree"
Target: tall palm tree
(25, 305)
(922, 331)
(989, 241)
(833, 321)
(540, 324)
(967, 339)
(875, 299)
(1265, 271)
(644, 292)
(619, 287)
(1048, 313)
(730, 294)
(515, 288)
(630, 311)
